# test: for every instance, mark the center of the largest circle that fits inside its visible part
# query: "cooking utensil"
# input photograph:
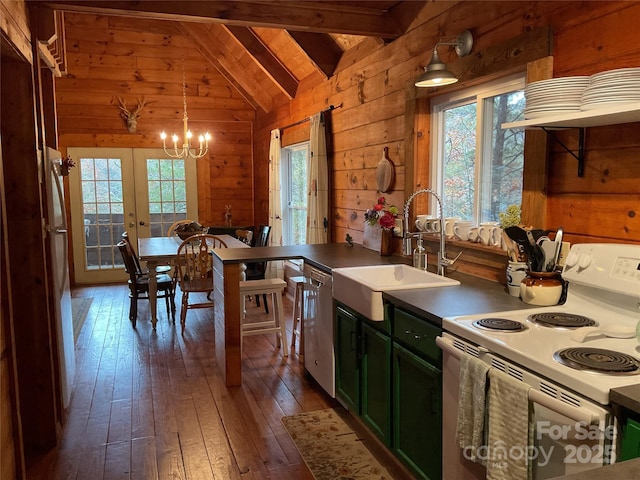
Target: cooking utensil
(614, 331)
(558, 242)
(537, 257)
(517, 234)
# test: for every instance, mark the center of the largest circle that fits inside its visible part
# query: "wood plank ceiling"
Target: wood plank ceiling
(265, 49)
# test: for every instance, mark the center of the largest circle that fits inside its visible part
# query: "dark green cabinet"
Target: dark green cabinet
(630, 444)
(346, 358)
(389, 374)
(417, 413)
(363, 370)
(376, 382)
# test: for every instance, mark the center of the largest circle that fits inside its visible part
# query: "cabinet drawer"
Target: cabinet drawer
(417, 334)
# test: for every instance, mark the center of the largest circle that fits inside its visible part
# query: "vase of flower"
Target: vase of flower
(384, 216)
(66, 164)
(386, 242)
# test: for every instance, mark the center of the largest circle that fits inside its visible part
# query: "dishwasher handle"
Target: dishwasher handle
(317, 276)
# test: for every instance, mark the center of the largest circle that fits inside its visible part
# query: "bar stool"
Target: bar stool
(297, 329)
(266, 286)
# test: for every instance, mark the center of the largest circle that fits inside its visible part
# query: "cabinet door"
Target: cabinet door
(376, 382)
(346, 357)
(417, 417)
(630, 445)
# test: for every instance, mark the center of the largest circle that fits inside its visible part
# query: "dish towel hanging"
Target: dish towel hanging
(471, 409)
(509, 428)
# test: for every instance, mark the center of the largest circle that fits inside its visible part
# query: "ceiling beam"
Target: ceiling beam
(316, 17)
(265, 59)
(320, 49)
(209, 47)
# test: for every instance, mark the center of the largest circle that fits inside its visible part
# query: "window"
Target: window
(167, 193)
(477, 166)
(295, 160)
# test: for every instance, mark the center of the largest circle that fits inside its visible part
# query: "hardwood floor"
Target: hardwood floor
(152, 405)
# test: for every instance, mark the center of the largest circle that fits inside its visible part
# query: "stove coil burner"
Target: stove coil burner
(499, 324)
(598, 360)
(562, 320)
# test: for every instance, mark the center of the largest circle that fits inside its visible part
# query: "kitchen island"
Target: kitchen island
(227, 262)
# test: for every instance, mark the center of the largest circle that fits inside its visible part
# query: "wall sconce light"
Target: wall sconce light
(436, 73)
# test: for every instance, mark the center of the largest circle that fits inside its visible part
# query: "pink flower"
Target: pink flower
(388, 220)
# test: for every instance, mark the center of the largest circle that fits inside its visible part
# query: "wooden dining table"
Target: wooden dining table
(164, 251)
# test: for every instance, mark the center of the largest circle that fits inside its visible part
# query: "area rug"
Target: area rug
(331, 449)
(79, 309)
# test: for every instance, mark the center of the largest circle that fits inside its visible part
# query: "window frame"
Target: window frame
(285, 169)
(476, 94)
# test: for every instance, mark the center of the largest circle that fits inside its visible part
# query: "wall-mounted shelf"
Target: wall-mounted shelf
(610, 115)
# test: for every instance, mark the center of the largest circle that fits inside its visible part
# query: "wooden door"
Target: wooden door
(113, 190)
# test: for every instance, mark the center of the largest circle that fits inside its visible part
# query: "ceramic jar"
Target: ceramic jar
(541, 288)
(516, 272)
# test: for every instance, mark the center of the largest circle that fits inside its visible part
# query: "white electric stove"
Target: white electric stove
(603, 291)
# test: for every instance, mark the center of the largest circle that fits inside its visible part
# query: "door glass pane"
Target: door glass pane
(502, 174)
(103, 211)
(167, 193)
(459, 144)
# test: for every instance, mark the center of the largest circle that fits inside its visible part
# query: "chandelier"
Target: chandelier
(186, 150)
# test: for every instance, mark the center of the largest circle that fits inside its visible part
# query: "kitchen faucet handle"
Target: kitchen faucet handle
(446, 262)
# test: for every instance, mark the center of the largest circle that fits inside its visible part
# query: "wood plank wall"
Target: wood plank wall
(14, 24)
(588, 38)
(112, 57)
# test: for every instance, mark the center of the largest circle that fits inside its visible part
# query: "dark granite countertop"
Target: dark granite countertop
(627, 397)
(473, 295)
(325, 257)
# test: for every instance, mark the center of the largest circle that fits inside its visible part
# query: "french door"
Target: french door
(113, 190)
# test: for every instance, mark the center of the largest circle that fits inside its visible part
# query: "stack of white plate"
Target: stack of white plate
(554, 96)
(612, 87)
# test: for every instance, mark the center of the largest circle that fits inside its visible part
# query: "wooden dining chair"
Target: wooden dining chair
(257, 270)
(139, 284)
(171, 231)
(195, 270)
(159, 269)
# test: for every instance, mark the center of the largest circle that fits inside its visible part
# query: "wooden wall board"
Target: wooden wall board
(600, 216)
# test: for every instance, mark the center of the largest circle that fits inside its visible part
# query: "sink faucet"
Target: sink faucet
(443, 261)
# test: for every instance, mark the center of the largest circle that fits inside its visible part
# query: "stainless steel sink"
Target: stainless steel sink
(361, 287)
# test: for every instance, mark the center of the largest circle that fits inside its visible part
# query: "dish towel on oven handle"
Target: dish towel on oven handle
(510, 432)
(471, 408)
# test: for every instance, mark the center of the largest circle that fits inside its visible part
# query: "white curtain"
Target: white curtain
(318, 183)
(275, 269)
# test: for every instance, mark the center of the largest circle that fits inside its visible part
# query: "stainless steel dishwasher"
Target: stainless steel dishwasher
(318, 328)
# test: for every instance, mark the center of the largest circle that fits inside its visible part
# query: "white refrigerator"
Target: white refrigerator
(57, 231)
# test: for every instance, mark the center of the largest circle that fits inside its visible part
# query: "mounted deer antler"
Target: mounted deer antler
(131, 117)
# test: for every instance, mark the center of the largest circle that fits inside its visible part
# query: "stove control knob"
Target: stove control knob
(584, 260)
(572, 259)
